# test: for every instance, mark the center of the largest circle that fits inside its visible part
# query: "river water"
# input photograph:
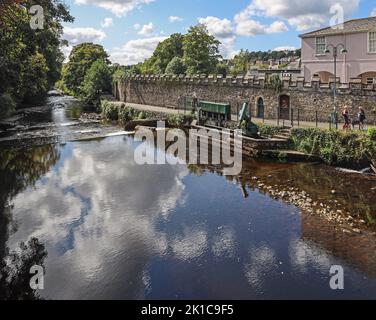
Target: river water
(112, 229)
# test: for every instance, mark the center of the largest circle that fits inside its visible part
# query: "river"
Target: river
(108, 228)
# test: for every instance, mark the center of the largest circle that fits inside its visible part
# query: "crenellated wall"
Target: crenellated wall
(308, 98)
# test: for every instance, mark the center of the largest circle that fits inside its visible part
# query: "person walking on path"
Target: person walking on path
(361, 118)
(346, 118)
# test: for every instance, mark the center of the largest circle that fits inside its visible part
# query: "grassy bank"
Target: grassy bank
(123, 114)
(350, 149)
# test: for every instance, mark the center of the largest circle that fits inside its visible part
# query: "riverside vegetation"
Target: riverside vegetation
(351, 149)
(123, 114)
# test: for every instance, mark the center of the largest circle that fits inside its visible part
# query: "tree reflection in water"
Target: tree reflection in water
(19, 169)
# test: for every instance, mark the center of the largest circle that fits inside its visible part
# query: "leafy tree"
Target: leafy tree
(223, 69)
(97, 80)
(21, 46)
(166, 51)
(35, 78)
(176, 66)
(241, 62)
(80, 60)
(201, 51)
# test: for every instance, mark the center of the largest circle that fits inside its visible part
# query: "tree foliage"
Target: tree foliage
(97, 80)
(80, 61)
(176, 66)
(201, 51)
(27, 54)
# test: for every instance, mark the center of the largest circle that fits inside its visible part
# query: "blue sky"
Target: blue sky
(130, 29)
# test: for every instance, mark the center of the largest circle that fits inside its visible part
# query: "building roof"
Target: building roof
(351, 26)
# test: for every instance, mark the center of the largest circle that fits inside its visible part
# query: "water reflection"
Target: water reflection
(117, 230)
(20, 168)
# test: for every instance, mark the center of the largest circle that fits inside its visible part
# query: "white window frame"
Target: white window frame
(369, 42)
(371, 80)
(320, 53)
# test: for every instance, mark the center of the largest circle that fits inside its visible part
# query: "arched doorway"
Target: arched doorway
(284, 107)
(260, 108)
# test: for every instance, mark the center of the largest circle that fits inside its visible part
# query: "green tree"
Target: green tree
(80, 60)
(176, 66)
(21, 47)
(35, 78)
(97, 80)
(223, 69)
(201, 51)
(241, 62)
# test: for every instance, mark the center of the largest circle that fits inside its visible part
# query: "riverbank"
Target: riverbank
(64, 120)
(348, 149)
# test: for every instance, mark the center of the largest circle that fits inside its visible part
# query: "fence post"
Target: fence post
(317, 119)
(263, 116)
(278, 116)
(237, 110)
(298, 118)
(292, 117)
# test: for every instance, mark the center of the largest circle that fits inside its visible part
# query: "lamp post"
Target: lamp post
(335, 56)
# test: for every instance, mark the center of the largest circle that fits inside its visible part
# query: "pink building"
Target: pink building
(358, 37)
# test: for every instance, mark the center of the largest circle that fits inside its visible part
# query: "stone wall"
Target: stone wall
(307, 99)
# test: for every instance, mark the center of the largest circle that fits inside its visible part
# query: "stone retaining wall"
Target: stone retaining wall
(308, 98)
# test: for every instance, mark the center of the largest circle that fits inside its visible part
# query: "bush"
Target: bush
(176, 120)
(349, 149)
(268, 131)
(110, 111)
(372, 133)
(7, 105)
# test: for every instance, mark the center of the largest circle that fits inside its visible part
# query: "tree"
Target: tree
(166, 50)
(35, 78)
(241, 62)
(176, 66)
(80, 60)
(97, 80)
(223, 69)
(201, 51)
(22, 46)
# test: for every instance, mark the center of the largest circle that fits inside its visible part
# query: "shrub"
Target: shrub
(349, 149)
(109, 110)
(177, 120)
(7, 105)
(372, 133)
(268, 131)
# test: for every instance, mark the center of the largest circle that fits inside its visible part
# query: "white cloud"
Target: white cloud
(82, 211)
(76, 36)
(79, 35)
(285, 48)
(223, 30)
(137, 26)
(147, 30)
(301, 14)
(174, 19)
(246, 26)
(373, 13)
(135, 51)
(277, 27)
(117, 7)
(107, 22)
